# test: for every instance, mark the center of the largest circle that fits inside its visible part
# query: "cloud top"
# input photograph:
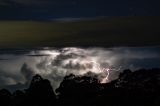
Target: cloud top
(54, 64)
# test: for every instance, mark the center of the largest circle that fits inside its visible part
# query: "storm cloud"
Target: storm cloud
(54, 63)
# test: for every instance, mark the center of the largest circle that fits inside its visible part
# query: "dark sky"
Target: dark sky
(51, 9)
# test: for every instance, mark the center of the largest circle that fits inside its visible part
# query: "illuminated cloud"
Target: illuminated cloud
(54, 64)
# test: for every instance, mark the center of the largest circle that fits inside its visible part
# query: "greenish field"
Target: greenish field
(111, 31)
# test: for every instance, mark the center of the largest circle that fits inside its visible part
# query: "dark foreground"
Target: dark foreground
(139, 88)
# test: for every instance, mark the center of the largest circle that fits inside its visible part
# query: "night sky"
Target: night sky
(92, 22)
(55, 38)
(53, 9)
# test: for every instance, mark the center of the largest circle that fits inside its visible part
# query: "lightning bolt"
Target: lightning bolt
(102, 70)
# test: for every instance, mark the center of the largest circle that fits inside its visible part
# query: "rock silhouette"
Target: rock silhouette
(132, 88)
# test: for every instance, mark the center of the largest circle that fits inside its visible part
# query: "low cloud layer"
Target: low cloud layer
(54, 64)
